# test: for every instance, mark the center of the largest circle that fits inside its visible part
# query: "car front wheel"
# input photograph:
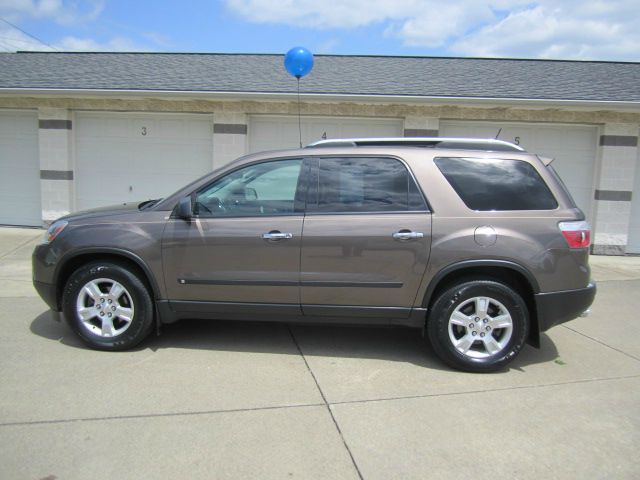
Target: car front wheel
(478, 326)
(108, 306)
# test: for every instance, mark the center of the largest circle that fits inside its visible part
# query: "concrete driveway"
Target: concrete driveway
(223, 400)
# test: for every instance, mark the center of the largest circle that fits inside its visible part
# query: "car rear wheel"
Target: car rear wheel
(478, 326)
(108, 306)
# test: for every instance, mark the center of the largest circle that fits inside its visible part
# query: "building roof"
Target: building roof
(332, 75)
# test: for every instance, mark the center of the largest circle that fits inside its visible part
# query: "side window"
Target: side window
(267, 188)
(358, 184)
(497, 184)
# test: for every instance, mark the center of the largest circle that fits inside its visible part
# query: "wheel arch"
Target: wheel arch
(510, 273)
(71, 263)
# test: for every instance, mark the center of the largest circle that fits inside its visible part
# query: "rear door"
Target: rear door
(366, 238)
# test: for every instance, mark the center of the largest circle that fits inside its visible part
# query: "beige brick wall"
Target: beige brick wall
(616, 177)
(228, 146)
(56, 162)
(429, 126)
(449, 112)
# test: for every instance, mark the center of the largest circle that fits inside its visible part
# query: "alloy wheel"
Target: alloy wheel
(104, 307)
(480, 327)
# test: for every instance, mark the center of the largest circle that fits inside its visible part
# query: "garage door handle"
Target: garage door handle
(404, 235)
(276, 236)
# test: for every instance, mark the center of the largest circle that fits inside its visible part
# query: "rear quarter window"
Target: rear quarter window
(497, 184)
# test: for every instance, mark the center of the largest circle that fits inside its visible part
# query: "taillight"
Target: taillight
(577, 234)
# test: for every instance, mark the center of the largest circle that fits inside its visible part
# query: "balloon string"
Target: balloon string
(299, 121)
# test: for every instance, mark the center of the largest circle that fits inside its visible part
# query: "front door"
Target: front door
(366, 238)
(242, 245)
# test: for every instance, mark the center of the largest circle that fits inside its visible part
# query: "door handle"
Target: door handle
(404, 235)
(276, 236)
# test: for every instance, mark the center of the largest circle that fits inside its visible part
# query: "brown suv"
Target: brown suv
(475, 241)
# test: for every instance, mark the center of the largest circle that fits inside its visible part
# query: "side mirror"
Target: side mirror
(184, 210)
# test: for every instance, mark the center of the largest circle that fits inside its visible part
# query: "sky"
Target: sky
(556, 29)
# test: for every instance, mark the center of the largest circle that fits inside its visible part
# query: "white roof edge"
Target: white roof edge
(318, 96)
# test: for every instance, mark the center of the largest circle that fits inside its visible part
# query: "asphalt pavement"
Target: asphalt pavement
(225, 400)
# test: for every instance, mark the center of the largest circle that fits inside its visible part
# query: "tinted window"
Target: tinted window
(366, 185)
(497, 184)
(262, 189)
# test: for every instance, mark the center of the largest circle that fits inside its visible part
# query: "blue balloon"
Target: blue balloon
(298, 62)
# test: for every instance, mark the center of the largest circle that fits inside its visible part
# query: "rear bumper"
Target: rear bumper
(559, 307)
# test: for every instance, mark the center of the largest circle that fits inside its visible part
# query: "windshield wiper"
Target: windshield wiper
(148, 204)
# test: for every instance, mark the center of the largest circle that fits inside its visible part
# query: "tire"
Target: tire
(478, 326)
(108, 306)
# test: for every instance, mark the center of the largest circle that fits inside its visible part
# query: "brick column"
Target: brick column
(229, 137)
(56, 167)
(421, 126)
(618, 151)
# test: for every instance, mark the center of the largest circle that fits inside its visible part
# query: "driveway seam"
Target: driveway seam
(17, 248)
(619, 280)
(305, 405)
(327, 404)
(159, 415)
(489, 390)
(602, 343)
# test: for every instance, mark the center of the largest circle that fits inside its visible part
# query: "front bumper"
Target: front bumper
(47, 292)
(558, 307)
(43, 265)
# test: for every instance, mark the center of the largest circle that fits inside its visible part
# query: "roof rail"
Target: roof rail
(489, 144)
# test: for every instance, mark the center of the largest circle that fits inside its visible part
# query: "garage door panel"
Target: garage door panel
(572, 146)
(176, 130)
(18, 124)
(574, 174)
(476, 131)
(173, 164)
(276, 132)
(129, 157)
(19, 169)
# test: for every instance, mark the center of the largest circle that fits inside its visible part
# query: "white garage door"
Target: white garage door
(572, 146)
(19, 169)
(277, 132)
(130, 157)
(633, 245)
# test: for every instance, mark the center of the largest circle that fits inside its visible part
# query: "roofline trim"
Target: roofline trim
(281, 55)
(313, 96)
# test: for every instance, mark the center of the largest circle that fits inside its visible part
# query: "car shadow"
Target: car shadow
(341, 341)
(46, 326)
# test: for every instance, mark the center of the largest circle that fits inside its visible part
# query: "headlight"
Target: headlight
(54, 229)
